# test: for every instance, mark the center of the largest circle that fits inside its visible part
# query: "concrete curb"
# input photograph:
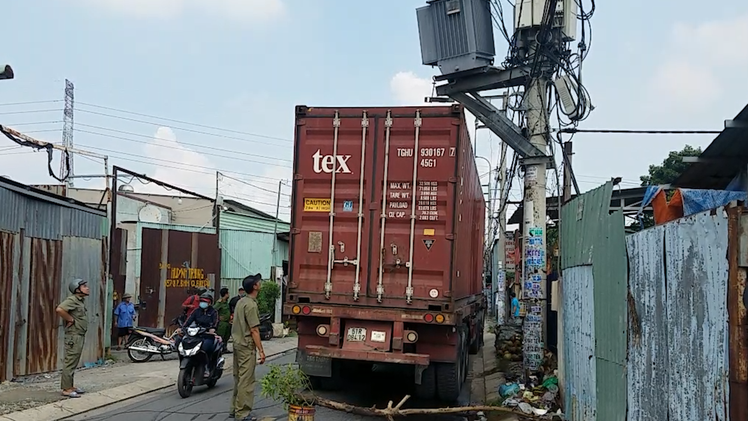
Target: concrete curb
(67, 408)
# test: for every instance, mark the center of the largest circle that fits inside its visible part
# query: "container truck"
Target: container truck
(386, 249)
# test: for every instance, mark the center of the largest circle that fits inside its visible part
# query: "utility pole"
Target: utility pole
(279, 300)
(534, 230)
(542, 31)
(567, 147)
(68, 168)
(498, 290)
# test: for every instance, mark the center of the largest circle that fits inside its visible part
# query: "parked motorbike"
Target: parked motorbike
(193, 360)
(266, 326)
(145, 342)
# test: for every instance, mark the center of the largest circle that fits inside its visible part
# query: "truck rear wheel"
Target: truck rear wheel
(427, 389)
(450, 376)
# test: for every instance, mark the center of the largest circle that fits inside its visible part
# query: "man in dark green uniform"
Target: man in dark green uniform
(224, 317)
(246, 335)
(73, 313)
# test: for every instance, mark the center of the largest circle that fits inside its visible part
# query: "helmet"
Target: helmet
(75, 285)
(206, 296)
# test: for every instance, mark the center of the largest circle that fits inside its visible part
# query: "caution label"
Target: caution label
(428, 243)
(316, 205)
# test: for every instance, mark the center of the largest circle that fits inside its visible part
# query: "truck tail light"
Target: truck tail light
(440, 318)
(411, 336)
(323, 330)
(306, 310)
(296, 309)
(428, 318)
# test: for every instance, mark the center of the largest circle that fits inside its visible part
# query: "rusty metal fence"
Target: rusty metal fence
(45, 242)
(670, 341)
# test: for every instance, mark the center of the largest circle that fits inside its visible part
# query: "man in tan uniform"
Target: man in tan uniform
(73, 312)
(246, 335)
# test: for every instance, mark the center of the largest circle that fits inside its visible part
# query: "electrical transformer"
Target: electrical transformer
(456, 35)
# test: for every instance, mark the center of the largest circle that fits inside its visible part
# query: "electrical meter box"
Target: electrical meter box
(456, 35)
(529, 13)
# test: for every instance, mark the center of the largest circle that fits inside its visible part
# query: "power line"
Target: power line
(183, 122)
(110, 152)
(179, 142)
(619, 131)
(11, 104)
(56, 110)
(33, 123)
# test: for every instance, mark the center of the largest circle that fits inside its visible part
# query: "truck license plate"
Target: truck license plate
(356, 334)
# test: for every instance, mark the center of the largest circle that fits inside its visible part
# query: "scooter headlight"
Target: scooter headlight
(192, 331)
(189, 352)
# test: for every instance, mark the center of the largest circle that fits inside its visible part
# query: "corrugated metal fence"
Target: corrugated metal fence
(248, 252)
(678, 320)
(44, 244)
(663, 344)
(593, 263)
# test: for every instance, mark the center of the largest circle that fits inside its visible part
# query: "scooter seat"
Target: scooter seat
(153, 330)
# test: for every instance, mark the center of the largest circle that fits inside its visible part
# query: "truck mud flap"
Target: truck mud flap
(313, 365)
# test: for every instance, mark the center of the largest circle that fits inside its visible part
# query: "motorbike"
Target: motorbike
(145, 342)
(193, 360)
(266, 326)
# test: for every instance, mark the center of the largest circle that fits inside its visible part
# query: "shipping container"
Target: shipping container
(387, 242)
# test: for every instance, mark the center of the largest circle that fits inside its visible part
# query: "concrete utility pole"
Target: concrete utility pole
(534, 230)
(498, 291)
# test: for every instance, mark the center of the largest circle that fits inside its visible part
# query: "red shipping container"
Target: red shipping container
(403, 187)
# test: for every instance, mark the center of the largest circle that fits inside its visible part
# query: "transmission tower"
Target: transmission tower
(67, 133)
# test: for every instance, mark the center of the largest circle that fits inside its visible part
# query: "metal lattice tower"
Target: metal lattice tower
(67, 131)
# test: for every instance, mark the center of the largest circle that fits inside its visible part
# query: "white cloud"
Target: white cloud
(191, 170)
(242, 10)
(703, 60)
(409, 89)
(685, 85)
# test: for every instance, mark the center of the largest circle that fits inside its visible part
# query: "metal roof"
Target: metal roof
(46, 196)
(628, 200)
(724, 159)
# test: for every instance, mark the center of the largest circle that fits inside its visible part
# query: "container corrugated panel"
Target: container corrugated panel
(83, 258)
(235, 221)
(648, 350)
(374, 183)
(697, 276)
(580, 368)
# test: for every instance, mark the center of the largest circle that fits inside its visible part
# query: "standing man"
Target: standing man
(224, 318)
(125, 314)
(246, 335)
(232, 303)
(514, 307)
(73, 312)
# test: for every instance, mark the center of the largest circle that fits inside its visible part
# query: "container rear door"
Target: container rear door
(333, 156)
(415, 163)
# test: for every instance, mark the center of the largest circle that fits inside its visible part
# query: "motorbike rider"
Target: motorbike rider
(206, 317)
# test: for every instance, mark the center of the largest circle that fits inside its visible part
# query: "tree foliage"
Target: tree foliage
(671, 167)
(269, 292)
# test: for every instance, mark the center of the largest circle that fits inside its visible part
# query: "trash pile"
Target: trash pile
(537, 397)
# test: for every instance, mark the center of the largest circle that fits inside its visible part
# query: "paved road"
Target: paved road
(376, 388)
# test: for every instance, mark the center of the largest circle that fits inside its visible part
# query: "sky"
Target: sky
(178, 89)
